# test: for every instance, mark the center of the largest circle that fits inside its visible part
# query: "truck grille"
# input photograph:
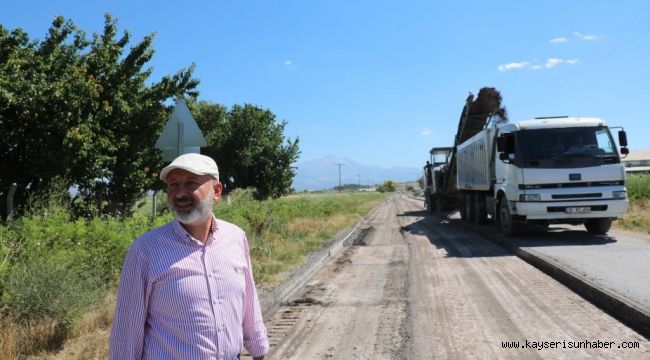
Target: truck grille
(570, 185)
(577, 196)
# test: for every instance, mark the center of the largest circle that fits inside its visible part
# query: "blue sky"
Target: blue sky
(381, 82)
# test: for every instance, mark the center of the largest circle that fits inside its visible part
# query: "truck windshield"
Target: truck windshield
(566, 147)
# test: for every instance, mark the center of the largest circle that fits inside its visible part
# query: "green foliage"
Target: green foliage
(53, 289)
(387, 186)
(349, 187)
(281, 231)
(54, 267)
(421, 182)
(83, 110)
(249, 146)
(638, 186)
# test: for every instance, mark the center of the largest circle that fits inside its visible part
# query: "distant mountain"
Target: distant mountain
(324, 174)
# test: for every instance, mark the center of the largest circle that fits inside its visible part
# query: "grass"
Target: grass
(637, 217)
(280, 233)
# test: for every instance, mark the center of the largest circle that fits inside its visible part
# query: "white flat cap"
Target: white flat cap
(194, 163)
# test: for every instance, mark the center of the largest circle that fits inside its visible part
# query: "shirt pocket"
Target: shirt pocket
(231, 280)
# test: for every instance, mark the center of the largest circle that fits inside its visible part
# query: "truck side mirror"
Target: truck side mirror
(625, 151)
(622, 138)
(501, 144)
(506, 143)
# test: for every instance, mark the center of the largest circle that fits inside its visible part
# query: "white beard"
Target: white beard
(201, 211)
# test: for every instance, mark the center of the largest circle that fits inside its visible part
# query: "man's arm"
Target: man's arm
(255, 338)
(127, 334)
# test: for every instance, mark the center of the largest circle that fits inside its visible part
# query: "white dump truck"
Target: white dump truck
(542, 171)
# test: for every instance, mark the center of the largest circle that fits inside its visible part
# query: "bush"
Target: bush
(43, 289)
(387, 186)
(53, 268)
(638, 186)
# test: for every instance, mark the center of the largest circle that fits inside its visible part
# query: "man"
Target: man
(186, 289)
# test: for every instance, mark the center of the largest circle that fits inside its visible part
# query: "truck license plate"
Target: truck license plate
(578, 210)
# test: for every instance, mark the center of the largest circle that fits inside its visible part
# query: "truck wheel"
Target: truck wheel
(440, 204)
(469, 206)
(427, 203)
(480, 212)
(598, 226)
(463, 208)
(507, 224)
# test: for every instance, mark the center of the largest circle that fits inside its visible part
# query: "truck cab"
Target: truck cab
(439, 194)
(558, 170)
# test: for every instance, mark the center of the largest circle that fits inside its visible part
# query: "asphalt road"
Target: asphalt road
(418, 286)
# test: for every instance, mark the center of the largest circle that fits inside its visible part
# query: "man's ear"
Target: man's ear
(217, 190)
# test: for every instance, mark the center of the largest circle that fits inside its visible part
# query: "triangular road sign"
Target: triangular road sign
(181, 134)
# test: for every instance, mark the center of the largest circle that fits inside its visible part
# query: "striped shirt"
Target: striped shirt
(181, 299)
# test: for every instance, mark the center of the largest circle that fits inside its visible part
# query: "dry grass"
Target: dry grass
(304, 236)
(10, 342)
(90, 337)
(325, 226)
(89, 340)
(20, 339)
(637, 217)
(90, 346)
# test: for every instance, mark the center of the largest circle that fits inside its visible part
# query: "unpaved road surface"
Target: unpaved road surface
(416, 287)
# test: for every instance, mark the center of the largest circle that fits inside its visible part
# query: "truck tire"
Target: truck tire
(462, 208)
(469, 207)
(480, 211)
(427, 204)
(598, 226)
(507, 224)
(440, 204)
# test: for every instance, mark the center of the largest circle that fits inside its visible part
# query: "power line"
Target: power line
(339, 165)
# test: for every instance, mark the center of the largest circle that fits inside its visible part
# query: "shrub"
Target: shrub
(387, 186)
(638, 186)
(44, 289)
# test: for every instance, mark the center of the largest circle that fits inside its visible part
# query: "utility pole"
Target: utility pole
(339, 165)
(359, 181)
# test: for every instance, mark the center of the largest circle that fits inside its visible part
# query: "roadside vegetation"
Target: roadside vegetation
(90, 104)
(637, 217)
(58, 275)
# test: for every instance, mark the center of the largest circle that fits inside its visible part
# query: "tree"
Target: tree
(249, 146)
(421, 182)
(82, 110)
(387, 186)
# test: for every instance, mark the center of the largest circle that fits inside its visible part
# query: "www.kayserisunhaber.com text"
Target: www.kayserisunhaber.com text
(568, 344)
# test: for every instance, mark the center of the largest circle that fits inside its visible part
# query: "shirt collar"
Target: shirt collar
(184, 236)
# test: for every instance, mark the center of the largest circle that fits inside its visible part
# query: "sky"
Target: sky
(382, 82)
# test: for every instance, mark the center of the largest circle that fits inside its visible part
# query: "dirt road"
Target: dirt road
(414, 287)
